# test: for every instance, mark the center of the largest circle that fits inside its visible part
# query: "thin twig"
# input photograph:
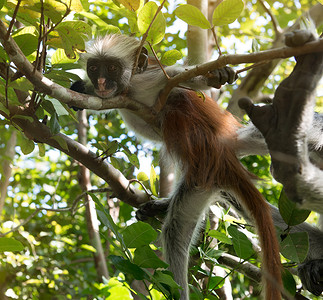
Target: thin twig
(39, 36)
(13, 20)
(234, 59)
(160, 65)
(7, 85)
(65, 209)
(136, 180)
(258, 64)
(266, 7)
(144, 37)
(216, 40)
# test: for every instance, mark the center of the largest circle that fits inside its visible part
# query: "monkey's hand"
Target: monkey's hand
(78, 86)
(311, 274)
(152, 208)
(218, 77)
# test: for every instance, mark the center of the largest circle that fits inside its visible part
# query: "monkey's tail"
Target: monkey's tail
(202, 137)
(259, 209)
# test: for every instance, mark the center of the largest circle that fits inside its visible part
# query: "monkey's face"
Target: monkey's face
(106, 75)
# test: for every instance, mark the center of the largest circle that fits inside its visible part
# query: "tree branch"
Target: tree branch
(267, 55)
(255, 79)
(72, 98)
(118, 183)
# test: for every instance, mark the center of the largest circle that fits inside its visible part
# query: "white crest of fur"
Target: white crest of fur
(114, 45)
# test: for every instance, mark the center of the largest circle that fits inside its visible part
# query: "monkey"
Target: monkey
(198, 136)
(291, 115)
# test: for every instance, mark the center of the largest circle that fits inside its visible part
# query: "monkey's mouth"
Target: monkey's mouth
(106, 93)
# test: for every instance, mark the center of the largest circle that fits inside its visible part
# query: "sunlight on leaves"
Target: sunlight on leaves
(227, 12)
(192, 16)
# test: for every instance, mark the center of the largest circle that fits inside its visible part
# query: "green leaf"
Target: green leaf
(41, 149)
(70, 41)
(192, 16)
(30, 119)
(60, 140)
(241, 244)
(2, 2)
(216, 282)
(22, 84)
(255, 46)
(171, 57)
(139, 234)
(59, 57)
(107, 220)
(75, 5)
(10, 244)
(142, 176)
(295, 246)
(145, 257)
(220, 236)
(289, 282)
(130, 4)
(59, 108)
(88, 248)
(26, 145)
(227, 12)
(27, 43)
(111, 148)
(125, 266)
(118, 293)
(4, 109)
(133, 159)
(290, 213)
(153, 181)
(53, 124)
(145, 17)
(162, 278)
(51, 8)
(116, 162)
(103, 27)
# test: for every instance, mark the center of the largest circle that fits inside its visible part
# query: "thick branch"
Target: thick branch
(69, 97)
(119, 184)
(284, 52)
(252, 83)
(245, 268)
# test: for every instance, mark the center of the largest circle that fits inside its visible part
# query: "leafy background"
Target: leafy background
(51, 255)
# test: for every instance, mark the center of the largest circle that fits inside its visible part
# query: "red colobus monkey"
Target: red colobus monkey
(198, 136)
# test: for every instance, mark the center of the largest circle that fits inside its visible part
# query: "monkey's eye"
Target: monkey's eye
(93, 68)
(112, 68)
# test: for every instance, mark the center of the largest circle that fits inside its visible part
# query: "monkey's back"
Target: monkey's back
(200, 134)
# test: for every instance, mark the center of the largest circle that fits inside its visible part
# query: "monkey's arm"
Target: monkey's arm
(215, 78)
(286, 125)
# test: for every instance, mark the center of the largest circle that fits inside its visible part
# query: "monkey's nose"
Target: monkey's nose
(101, 84)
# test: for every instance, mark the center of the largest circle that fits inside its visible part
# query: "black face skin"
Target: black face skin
(105, 74)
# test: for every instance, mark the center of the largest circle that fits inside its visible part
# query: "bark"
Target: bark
(255, 79)
(7, 168)
(90, 211)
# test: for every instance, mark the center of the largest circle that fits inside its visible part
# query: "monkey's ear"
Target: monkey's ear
(143, 60)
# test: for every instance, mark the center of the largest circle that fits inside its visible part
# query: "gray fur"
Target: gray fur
(183, 214)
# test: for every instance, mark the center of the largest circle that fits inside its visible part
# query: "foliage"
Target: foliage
(50, 256)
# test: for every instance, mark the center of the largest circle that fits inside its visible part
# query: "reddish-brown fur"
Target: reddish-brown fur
(202, 136)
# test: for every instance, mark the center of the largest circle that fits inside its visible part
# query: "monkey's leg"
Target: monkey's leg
(186, 209)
